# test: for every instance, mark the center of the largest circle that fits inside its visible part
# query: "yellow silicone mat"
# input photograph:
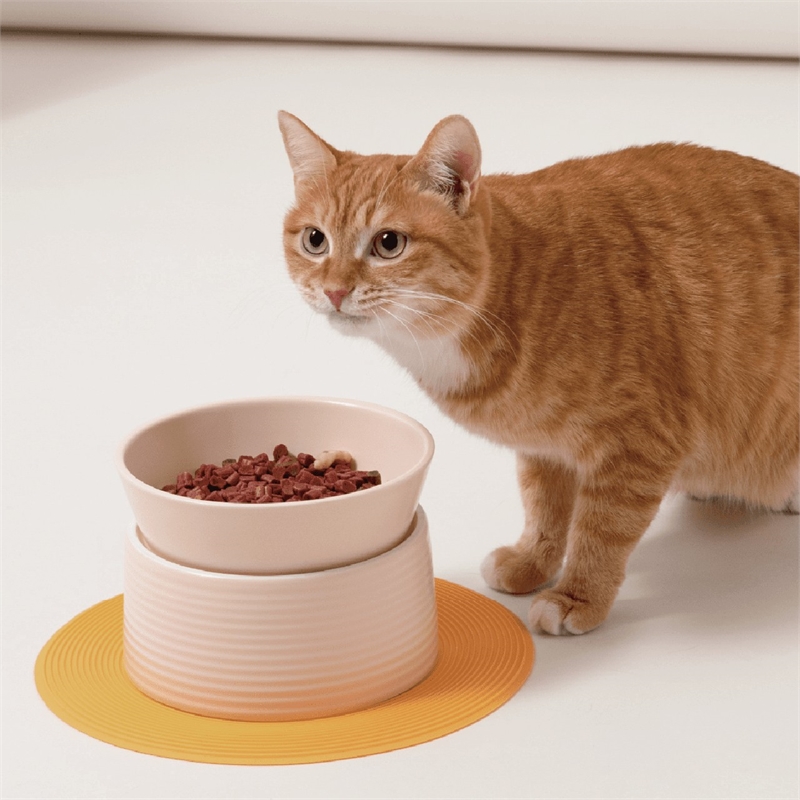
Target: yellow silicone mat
(485, 656)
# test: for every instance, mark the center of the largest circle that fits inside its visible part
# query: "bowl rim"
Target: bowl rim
(127, 475)
(419, 528)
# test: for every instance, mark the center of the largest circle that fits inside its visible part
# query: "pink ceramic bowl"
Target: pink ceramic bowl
(279, 538)
(280, 647)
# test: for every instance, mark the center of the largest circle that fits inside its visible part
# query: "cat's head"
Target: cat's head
(388, 246)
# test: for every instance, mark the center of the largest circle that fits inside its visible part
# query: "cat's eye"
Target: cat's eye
(389, 244)
(315, 241)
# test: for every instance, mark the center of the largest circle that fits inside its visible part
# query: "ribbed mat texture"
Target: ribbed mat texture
(485, 656)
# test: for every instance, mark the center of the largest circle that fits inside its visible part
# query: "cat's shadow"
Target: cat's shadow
(713, 570)
(702, 570)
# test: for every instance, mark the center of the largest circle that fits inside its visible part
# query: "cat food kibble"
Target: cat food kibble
(328, 457)
(284, 478)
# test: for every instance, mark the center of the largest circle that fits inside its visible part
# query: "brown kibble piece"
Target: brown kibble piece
(217, 480)
(330, 478)
(286, 479)
(305, 459)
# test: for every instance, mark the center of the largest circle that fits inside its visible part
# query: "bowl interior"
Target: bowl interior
(378, 438)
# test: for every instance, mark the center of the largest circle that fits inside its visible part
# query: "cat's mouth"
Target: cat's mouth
(348, 321)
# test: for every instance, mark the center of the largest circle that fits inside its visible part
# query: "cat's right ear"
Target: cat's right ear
(310, 157)
(449, 162)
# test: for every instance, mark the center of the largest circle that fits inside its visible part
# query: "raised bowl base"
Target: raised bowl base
(280, 647)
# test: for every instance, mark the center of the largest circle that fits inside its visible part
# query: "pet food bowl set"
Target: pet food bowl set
(278, 611)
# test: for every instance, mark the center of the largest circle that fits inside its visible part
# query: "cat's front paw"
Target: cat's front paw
(557, 613)
(507, 570)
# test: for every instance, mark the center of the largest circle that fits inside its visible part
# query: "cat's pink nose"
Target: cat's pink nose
(336, 296)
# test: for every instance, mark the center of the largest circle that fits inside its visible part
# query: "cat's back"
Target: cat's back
(679, 211)
(668, 269)
(683, 163)
(665, 178)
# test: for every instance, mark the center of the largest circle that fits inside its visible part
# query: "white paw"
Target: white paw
(489, 572)
(793, 506)
(547, 616)
(559, 613)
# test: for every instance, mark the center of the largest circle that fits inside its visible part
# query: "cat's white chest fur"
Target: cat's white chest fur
(437, 362)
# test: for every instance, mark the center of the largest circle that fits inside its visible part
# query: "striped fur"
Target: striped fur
(626, 323)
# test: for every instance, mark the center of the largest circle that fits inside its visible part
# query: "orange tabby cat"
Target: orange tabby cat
(628, 324)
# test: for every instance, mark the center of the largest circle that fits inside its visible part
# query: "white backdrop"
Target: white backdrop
(718, 27)
(144, 183)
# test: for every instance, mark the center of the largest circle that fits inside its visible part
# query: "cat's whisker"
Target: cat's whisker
(426, 317)
(448, 325)
(482, 315)
(410, 333)
(384, 333)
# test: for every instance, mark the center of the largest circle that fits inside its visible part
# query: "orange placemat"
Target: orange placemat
(485, 656)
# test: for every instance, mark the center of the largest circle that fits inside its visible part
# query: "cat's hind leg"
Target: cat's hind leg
(548, 494)
(615, 505)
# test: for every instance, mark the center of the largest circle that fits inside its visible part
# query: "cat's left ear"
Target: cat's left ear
(310, 157)
(450, 162)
